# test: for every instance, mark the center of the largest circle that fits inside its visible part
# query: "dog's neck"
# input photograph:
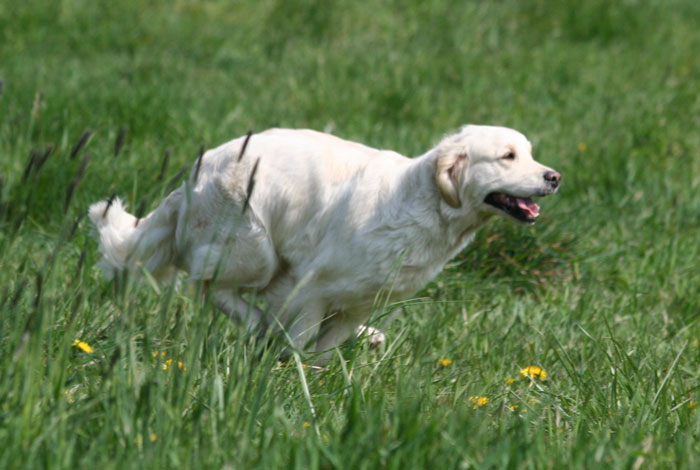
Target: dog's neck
(427, 205)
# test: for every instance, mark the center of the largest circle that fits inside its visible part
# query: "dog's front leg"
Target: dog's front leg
(236, 308)
(300, 325)
(375, 337)
(337, 329)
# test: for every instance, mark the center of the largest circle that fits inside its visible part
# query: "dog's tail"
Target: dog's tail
(128, 243)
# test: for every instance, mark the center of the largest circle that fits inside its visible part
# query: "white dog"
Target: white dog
(318, 225)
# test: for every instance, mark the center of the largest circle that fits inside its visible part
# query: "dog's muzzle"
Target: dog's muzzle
(552, 178)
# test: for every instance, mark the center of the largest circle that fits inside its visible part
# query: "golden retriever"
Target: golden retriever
(317, 225)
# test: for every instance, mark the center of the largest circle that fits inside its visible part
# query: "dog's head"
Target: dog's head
(491, 169)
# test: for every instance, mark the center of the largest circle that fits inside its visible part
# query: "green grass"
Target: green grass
(603, 292)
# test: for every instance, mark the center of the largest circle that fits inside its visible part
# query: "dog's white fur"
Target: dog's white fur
(329, 223)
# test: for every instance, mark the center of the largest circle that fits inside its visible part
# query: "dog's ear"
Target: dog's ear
(449, 175)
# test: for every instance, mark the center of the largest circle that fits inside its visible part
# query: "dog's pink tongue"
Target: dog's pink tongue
(529, 206)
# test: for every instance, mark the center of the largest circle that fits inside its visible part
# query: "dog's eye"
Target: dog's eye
(509, 156)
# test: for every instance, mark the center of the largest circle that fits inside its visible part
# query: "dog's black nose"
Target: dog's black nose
(553, 177)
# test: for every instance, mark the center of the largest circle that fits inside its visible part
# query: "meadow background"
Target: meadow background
(602, 293)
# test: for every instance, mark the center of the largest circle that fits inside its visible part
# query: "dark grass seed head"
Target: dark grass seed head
(75, 182)
(119, 142)
(110, 200)
(39, 284)
(245, 144)
(79, 267)
(199, 163)
(164, 165)
(81, 143)
(139, 212)
(69, 196)
(37, 158)
(76, 224)
(82, 167)
(175, 180)
(41, 160)
(33, 156)
(251, 185)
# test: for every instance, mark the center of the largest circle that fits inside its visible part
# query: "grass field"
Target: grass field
(602, 294)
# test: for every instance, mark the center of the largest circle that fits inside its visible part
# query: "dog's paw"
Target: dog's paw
(375, 337)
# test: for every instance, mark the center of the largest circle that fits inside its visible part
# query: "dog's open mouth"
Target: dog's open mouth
(523, 209)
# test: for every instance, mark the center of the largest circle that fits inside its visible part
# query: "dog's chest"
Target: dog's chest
(355, 277)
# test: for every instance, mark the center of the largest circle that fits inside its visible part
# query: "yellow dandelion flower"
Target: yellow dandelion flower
(514, 407)
(169, 362)
(444, 362)
(582, 147)
(154, 437)
(509, 380)
(533, 372)
(478, 401)
(82, 345)
(306, 424)
(161, 354)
